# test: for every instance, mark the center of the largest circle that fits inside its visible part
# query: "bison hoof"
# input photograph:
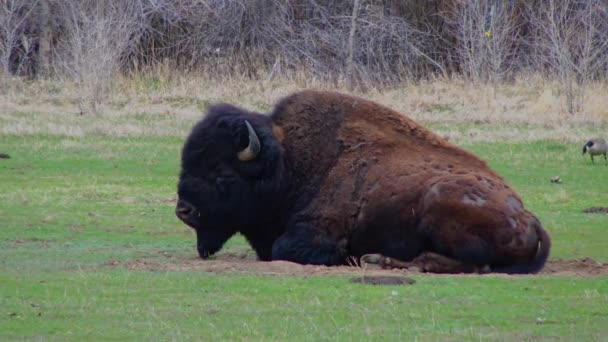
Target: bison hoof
(372, 259)
(415, 269)
(484, 269)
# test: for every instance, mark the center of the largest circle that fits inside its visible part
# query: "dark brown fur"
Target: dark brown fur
(339, 176)
(379, 176)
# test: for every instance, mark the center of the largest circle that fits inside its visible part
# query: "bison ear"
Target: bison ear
(253, 144)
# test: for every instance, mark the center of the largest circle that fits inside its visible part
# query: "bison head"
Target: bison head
(229, 165)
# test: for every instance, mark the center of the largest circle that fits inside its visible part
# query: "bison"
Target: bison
(328, 177)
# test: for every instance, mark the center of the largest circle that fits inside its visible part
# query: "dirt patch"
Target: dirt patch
(245, 263)
(247, 266)
(383, 280)
(593, 210)
(585, 267)
(44, 242)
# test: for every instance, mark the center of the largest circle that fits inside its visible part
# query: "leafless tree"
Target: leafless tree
(351, 41)
(96, 34)
(487, 37)
(365, 42)
(43, 58)
(571, 41)
(267, 36)
(15, 20)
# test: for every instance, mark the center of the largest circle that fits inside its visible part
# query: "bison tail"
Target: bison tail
(540, 258)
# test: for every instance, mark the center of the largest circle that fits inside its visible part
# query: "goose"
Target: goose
(596, 146)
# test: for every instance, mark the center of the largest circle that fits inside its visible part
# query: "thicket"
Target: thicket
(360, 43)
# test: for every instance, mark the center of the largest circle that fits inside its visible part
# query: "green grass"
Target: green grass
(69, 205)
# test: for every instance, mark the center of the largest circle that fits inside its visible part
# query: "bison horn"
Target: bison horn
(252, 150)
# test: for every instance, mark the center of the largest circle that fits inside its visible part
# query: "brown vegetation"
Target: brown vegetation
(375, 44)
(165, 103)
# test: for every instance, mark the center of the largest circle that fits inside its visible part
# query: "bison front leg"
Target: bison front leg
(305, 245)
(425, 262)
(384, 261)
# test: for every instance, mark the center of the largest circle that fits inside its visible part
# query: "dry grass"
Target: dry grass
(163, 103)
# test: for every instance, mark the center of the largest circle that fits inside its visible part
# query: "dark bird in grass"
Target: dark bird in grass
(4, 156)
(596, 147)
(556, 180)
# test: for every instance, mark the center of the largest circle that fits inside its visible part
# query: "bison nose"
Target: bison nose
(183, 210)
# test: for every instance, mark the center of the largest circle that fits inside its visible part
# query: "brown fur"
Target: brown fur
(377, 175)
(278, 134)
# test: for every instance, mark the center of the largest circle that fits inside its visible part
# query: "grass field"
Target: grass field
(76, 211)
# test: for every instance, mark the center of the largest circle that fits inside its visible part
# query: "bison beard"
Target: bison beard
(327, 177)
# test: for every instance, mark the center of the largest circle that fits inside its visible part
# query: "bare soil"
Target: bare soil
(593, 210)
(245, 263)
(383, 280)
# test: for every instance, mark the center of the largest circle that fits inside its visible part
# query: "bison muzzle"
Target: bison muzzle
(327, 177)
